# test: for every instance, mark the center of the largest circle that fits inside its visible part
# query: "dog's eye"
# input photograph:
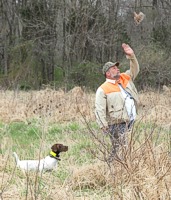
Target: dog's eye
(59, 145)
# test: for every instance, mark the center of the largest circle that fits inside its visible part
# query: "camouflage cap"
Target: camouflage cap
(108, 65)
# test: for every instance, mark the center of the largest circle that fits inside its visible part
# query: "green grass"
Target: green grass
(27, 140)
(62, 174)
(27, 137)
(154, 132)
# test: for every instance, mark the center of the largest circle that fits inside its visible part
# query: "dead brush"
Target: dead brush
(56, 106)
(89, 177)
(156, 108)
(143, 170)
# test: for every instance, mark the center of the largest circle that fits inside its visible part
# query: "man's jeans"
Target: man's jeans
(118, 136)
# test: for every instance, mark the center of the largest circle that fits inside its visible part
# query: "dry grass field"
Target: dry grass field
(30, 122)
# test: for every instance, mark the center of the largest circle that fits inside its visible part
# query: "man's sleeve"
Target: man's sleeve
(100, 108)
(134, 67)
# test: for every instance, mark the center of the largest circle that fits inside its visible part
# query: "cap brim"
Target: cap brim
(117, 63)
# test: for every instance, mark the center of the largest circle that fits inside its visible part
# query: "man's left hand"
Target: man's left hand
(127, 49)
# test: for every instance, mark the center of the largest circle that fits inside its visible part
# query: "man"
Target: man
(117, 99)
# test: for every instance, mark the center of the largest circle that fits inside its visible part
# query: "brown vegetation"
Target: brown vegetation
(60, 106)
(57, 106)
(142, 173)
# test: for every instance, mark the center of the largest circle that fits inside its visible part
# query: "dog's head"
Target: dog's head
(57, 148)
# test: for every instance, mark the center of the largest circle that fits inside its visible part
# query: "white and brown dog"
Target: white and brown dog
(46, 164)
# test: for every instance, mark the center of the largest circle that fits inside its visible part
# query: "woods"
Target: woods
(65, 43)
(54, 50)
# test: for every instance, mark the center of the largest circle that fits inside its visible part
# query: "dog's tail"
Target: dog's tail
(16, 158)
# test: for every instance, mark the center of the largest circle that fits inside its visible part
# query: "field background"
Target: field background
(31, 122)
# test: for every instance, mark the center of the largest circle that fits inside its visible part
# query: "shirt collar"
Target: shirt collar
(110, 81)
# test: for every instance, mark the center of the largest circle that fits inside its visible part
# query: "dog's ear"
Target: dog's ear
(54, 148)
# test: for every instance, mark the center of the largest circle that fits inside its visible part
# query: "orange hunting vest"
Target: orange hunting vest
(110, 87)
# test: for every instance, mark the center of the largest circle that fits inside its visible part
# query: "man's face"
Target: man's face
(113, 73)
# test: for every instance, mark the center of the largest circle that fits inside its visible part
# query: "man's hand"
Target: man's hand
(105, 130)
(127, 49)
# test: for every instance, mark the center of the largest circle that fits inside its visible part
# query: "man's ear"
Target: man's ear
(107, 74)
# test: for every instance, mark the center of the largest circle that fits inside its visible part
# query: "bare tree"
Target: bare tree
(38, 37)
